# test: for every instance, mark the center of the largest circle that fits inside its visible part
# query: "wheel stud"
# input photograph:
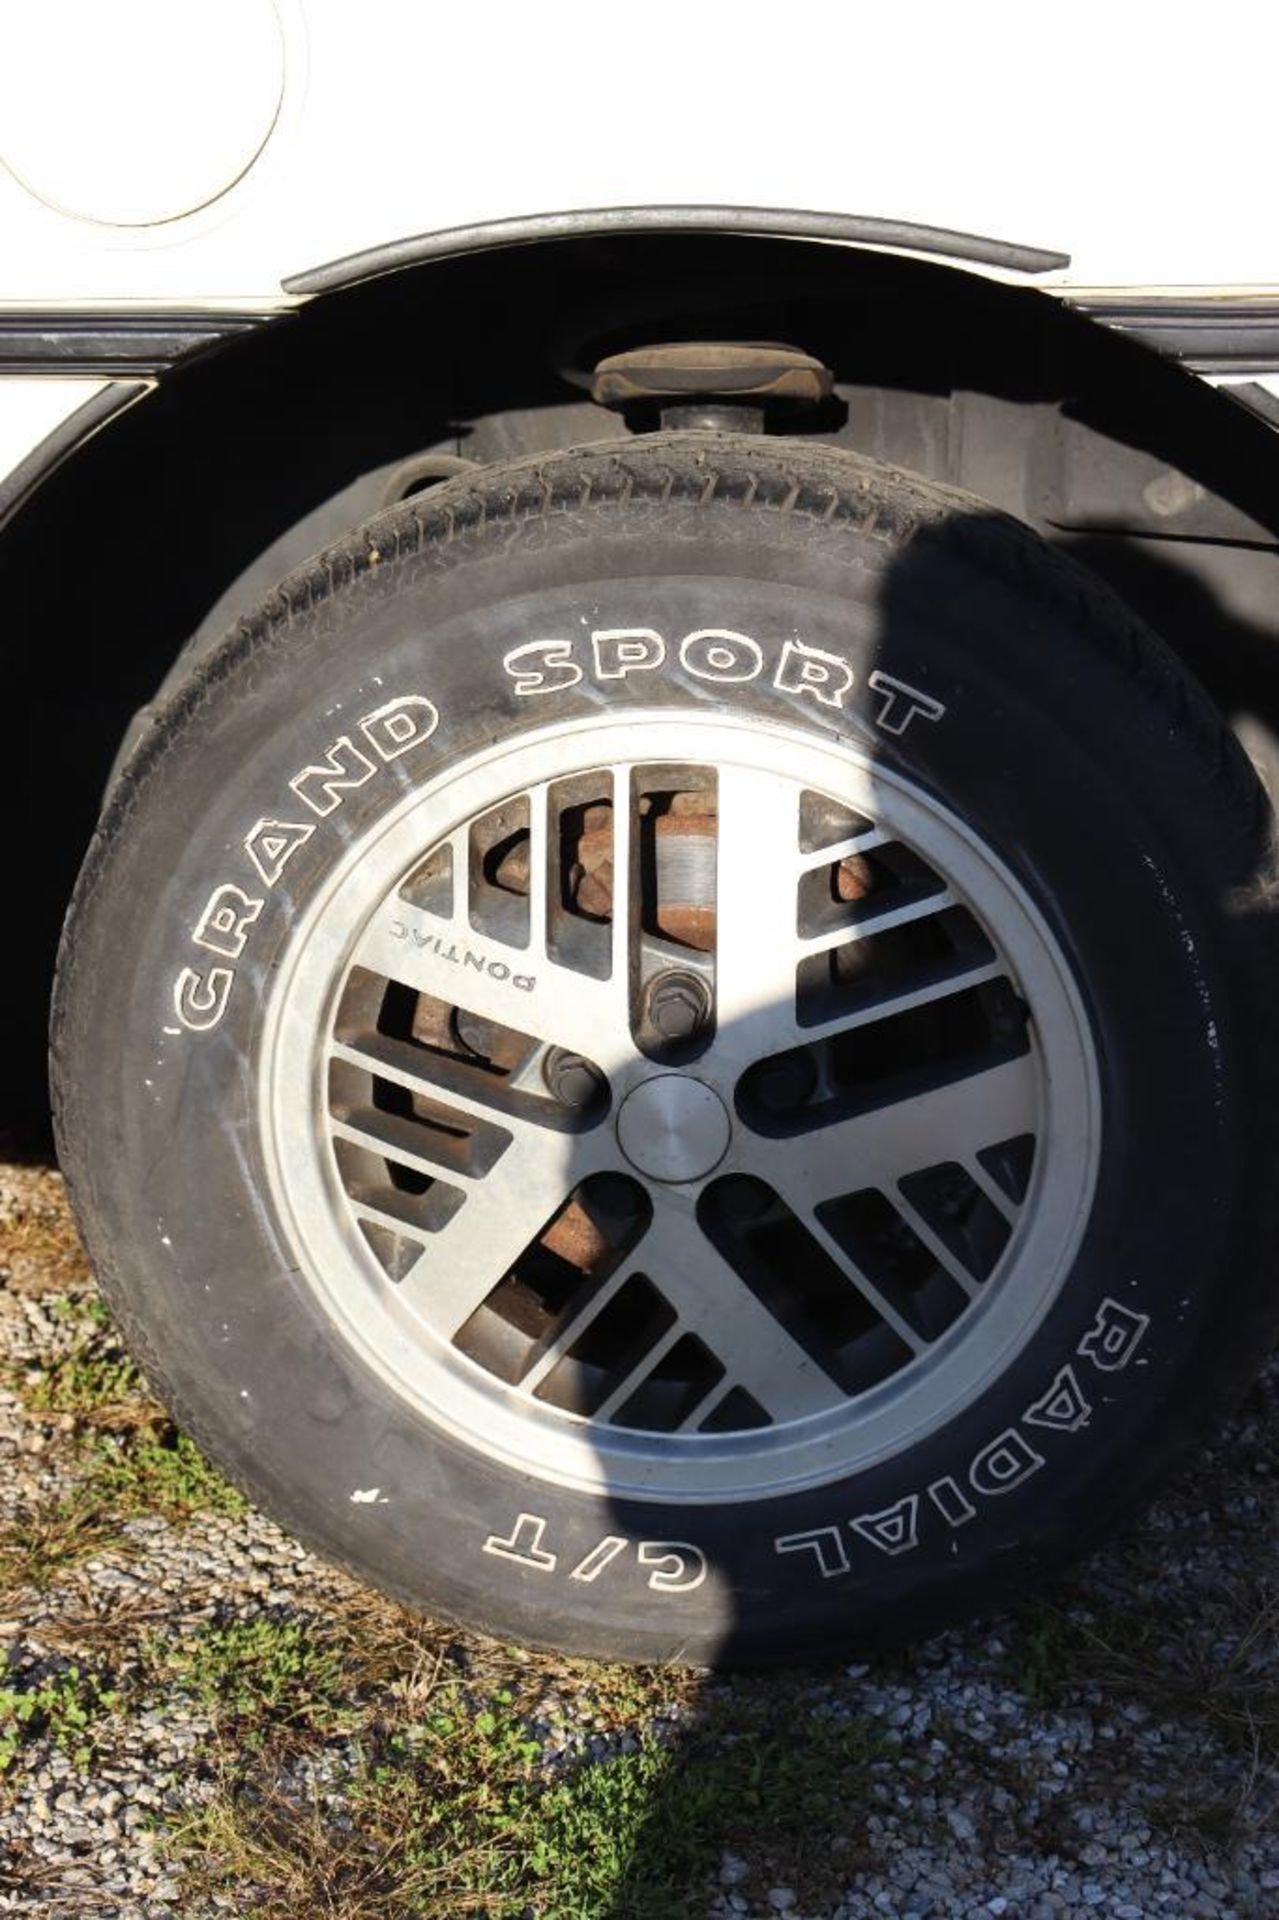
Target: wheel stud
(677, 1005)
(782, 1084)
(575, 1082)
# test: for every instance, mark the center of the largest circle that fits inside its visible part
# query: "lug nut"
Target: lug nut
(574, 1081)
(678, 1005)
(781, 1084)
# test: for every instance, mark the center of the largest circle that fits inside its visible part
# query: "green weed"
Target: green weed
(264, 1672)
(94, 1382)
(120, 1477)
(65, 1708)
(454, 1813)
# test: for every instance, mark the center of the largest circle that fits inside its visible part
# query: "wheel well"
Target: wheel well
(252, 455)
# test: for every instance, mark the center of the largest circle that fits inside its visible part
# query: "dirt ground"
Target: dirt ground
(199, 1717)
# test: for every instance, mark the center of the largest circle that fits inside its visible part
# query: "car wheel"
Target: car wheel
(670, 1053)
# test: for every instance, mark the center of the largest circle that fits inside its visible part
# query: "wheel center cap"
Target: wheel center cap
(673, 1128)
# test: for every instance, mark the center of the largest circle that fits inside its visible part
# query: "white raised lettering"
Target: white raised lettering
(542, 666)
(391, 730)
(271, 844)
(1063, 1408)
(811, 670)
(200, 1000)
(893, 1530)
(599, 1557)
(1004, 1464)
(718, 654)
(524, 1543)
(224, 925)
(322, 785)
(677, 1566)
(824, 1543)
(901, 703)
(951, 1502)
(623, 650)
(1114, 1336)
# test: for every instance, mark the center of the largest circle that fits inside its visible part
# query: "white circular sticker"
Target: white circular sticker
(141, 111)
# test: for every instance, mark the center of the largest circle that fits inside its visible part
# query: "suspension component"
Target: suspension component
(726, 386)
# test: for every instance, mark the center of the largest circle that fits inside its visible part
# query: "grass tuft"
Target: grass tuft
(439, 1802)
(255, 1675)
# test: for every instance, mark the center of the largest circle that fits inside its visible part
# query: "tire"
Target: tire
(897, 1018)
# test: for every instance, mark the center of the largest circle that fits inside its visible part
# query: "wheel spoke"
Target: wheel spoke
(713, 1303)
(564, 1008)
(439, 1157)
(520, 987)
(554, 1351)
(942, 1254)
(836, 850)
(873, 923)
(499, 1218)
(624, 892)
(639, 1373)
(906, 1001)
(705, 1407)
(879, 1147)
(864, 1285)
(756, 943)
(539, 878)
(452, 1084)
(1001, 1201)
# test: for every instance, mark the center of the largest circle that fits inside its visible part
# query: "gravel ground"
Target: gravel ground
(1113, 1753)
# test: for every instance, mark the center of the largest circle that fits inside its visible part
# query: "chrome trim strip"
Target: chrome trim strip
(1226, 335)
(122, 345)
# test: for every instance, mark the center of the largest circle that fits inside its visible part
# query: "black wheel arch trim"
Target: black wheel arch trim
(603, 222)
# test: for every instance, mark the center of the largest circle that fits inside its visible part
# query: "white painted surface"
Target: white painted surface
(1112, 133)
(30, 410)
(138, 112)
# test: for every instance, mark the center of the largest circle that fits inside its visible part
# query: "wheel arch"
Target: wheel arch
(1155, 479)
